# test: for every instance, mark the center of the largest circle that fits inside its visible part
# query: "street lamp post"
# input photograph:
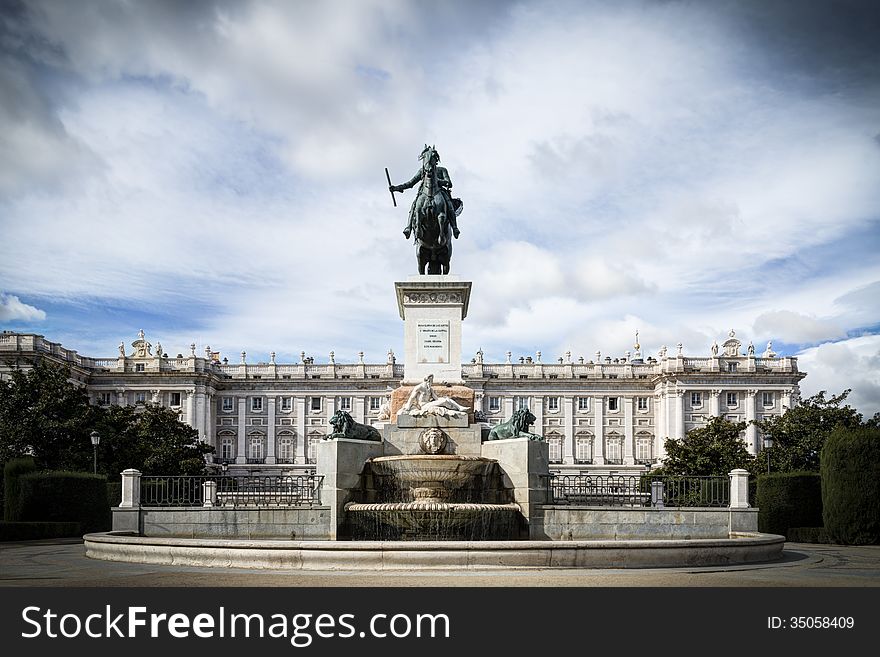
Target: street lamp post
(96, 440)
(768, 443)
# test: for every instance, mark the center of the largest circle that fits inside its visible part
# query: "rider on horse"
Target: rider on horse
(434, 190)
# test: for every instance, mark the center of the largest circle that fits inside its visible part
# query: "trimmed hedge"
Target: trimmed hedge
(114, 493)
(789, 499)
(30, 531)
(850, 469)
(807, 535)
(65, 497)
(12, 471)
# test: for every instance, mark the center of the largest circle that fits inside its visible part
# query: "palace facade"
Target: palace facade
(606, 415)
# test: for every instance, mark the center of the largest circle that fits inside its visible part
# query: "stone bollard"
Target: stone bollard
(657, 494)
(131, 489)
(209, 493)
(739, 489)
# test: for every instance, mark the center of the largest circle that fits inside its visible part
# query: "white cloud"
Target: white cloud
(12, 308)
(796, 327)
(837, 366)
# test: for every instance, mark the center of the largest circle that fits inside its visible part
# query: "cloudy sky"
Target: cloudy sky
(213, 172)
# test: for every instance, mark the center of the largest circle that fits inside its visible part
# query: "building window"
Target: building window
(612, 404)
(227, 448)
(316, 404)
(732, 399)
(553, 404)
(256, 404)
(555, 444)
(644, 449)
(494, 404)
(287, 404)
(228, 404)
(375, 403)
(583, 403)
(312, 455)
(642, 403)
(521, 402)
(767, 399)
(140, 398)
(345, 403)
(286, 448)
(175, 399)
(696, 399)
(139, 367)
(731, 367)
(255, 449)
(104, 398)
(614, 450)
(583, 449)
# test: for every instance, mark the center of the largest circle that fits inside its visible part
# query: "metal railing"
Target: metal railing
(232, 491)
(636, 491)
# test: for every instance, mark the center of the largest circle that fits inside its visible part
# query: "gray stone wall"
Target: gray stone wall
(296, 523)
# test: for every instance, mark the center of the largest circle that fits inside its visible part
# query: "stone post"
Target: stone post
(526, 466)
(131, 489)
(657, 494)
(209, 493)
(739, 489)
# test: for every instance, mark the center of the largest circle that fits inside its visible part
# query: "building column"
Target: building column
(508, 408)
(714, 403)
(751, 429)
(358, 412)
(190, 407)
(270, 430)
(679, 414)
(660, 430)
(241, 452)
(785, 400)
(628, 433)
(200, 413)
(121, 397)
(210, 419)
(301, 446)
(568, 428)
(599, 430)
(478, 403)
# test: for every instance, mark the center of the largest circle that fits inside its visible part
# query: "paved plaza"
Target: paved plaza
(63, 563)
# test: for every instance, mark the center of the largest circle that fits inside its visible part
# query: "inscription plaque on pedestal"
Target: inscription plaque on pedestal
(433, 342)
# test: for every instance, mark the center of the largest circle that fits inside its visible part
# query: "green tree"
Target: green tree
(150, 439)
(713, 450)
(800, 433)
(45, 415)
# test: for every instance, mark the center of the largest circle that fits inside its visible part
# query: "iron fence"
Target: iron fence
(232, 491)
(636, 491)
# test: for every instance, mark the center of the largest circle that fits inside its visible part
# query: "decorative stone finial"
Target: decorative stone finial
(360, 357)
(679, 346)
(272, 357)
(302, 356)
(508, 357)
(332, 357)
(243, 356)
(538, 356)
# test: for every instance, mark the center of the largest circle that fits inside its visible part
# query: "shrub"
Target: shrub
(789, 499)
(12, 471)
(66, 497)
(114, 493)
(807, 535)
(29, 531)
(850, 469)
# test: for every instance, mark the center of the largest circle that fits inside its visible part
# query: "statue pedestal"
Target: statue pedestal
(432, 309)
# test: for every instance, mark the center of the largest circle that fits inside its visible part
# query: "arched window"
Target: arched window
(583, 448)
(644, 448)
(286, 447)
(554, 441)
(226, 444)
(614, 449)
(256, 448)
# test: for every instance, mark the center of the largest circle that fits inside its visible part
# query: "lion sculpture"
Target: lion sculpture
(344, 426)
(516, 427)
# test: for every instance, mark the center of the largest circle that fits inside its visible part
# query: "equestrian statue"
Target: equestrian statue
(433, 216)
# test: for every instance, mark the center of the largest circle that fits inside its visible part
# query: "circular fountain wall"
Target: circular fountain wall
(434, 497)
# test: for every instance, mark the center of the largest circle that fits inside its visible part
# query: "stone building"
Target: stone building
(604, 415)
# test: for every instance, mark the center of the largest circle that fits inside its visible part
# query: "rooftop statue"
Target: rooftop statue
(432, 221)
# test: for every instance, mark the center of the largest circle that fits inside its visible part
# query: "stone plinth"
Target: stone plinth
(464, 441)
(341, 462)
(432, 309)
(526, 466)
(461, 394)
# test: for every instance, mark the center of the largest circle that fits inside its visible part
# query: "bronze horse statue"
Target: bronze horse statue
(433, 215)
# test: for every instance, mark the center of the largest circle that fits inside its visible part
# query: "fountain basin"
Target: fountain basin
(433, 521)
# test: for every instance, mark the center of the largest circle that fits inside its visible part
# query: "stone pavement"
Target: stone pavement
(62, 562)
